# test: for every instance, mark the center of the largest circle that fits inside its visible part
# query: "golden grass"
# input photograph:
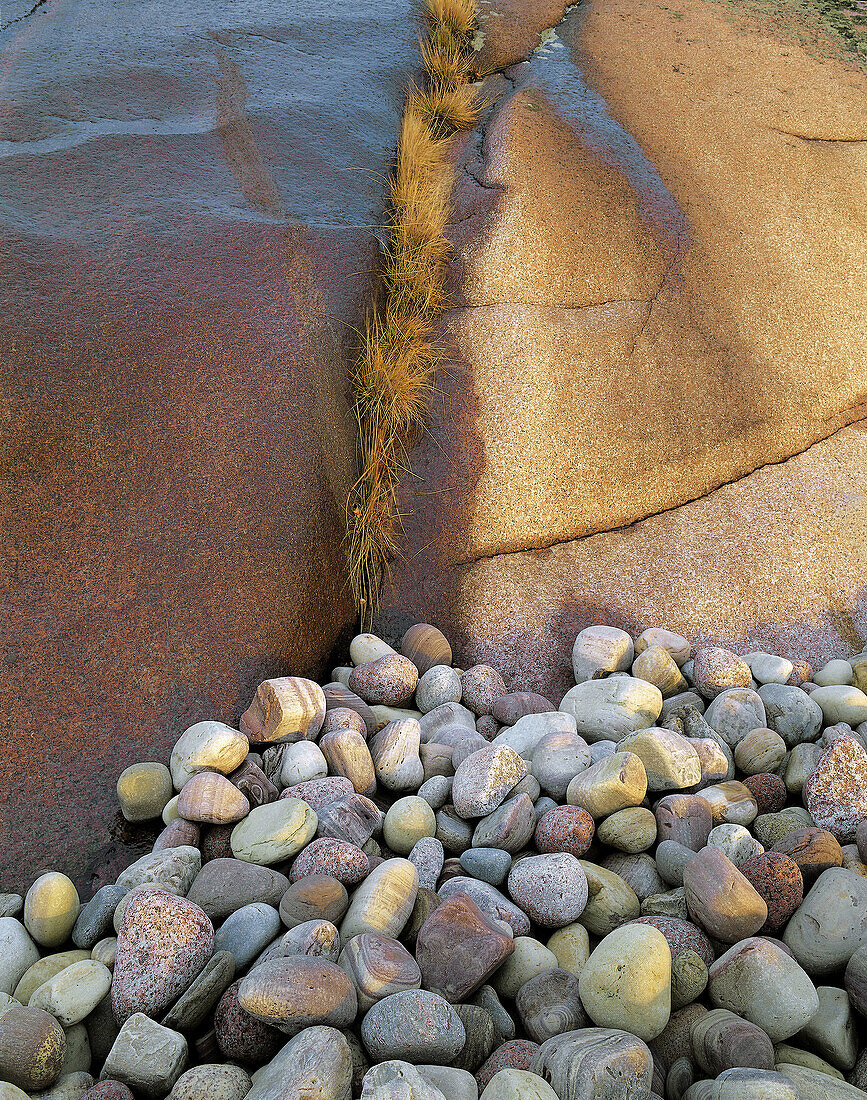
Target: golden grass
(392, 380)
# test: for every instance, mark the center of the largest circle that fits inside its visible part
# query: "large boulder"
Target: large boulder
(186, 214)
(645, 405)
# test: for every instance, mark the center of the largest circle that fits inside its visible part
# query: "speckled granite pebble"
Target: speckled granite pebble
(550, 888)
(330, 856)
(836, 792)
(415, 1026)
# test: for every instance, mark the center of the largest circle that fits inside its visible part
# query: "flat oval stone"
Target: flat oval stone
(384, 901)
(248, 931)
(288, 708)
(611, 901)
(550, 1004)
(396, 1078)
(163, 943)
(345, 752)
(488, 864)
(275, 832)
(551, 888)
(814, 851)
(484, 779)
(459, 947)
(314, 897)
(721, 1039)
(480, 686)
(316, 1063)
(51, 908)
(224, 885)
(213, 799)
(43, 970)
(611, 784)
(426, 647)
(195, 1004)
(378, 966)
(612, 708)
(173, 870)
(415, 1026)
(74, 993)
(299, 991)
(735, 713)
(509, 827)
(841, 703)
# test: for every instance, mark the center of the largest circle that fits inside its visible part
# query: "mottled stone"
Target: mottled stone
(212, 1082)
(794, 715)
(354, 819)
(459, 947)
(389, 680)
(508, 709)
(163, 943)
(481, 1035)
(254, 784)
(329, 856)
(224, 885)
(814, 850)
(440, 684)
(778, 879)
(730, 802)
(759, 981)
(565, 829)
(769, 791)
(631, 830)
(480, 686)
(319, 793)
(288, 708)
(32, 1047)
(550, 888)
(715, 669)
(146, 1056)
(734, 713)
(836, 792)
(239, 1036)
(514, 1054)
(415, 1025)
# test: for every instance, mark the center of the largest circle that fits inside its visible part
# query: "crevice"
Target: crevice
(465, 563)
(812, 137)
(564, 307)
(21, 18)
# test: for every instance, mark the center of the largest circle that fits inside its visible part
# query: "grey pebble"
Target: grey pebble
(95, 919)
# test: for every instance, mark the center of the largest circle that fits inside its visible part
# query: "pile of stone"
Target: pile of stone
(414, 884)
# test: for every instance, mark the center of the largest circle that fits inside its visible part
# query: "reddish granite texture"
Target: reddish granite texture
(186, 211)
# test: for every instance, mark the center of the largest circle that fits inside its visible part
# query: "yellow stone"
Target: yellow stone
(51, 908)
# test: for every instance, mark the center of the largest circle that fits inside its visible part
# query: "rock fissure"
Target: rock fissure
(21, 18)
(662, 511)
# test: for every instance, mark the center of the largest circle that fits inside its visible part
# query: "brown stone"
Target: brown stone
(426, 646)
(287, 708)
(722, 1040)
(298, 992)
(814, 851)
(254, 783)
(720, 899)
(459, 947)
(314, 897)
(685, 818)
(32, 1046)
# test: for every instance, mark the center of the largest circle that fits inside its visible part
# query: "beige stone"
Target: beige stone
(670, 761)
(626, 982)
(720, 899)
(143, 791)
(274, 832)
(615, 782)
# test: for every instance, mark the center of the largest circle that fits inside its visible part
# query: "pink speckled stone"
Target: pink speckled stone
(108, 1090)
(240, 1037)
(836, 792)
(329, 856)
(551, 889)
(389, 681)
(768, 790)
(715, 669)
(480, 686)
(779, 881)
(565, 829)
(515, 1054)
(163, 944)
(681, 935)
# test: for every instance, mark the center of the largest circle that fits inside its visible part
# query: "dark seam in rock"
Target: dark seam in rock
(651, 515)
(21, 18)
(807, 137)
(550, 305)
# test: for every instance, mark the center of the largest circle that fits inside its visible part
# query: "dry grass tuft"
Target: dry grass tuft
(394, 370)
